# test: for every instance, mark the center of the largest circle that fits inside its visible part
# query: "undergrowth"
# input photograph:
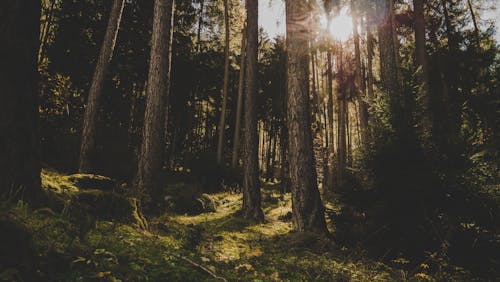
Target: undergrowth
(47, 245)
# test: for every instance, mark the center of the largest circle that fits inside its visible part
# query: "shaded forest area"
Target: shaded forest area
(174, 140)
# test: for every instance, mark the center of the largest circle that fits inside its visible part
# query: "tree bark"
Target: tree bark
(153, 136)
(87, 149)
(331, 137)
(308, 210)
(473, 16)
(200, 26)
(389, 66)
(423, 73)
(46, 30)
(222, 121)
(362, 106)
(239, 103)
(251, 186)
(19, 142)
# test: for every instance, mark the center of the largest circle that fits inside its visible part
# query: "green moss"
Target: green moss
(88, 241)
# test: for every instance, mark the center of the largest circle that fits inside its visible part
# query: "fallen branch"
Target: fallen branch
(204, 269)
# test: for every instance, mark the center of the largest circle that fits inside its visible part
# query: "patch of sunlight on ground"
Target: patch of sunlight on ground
(230, 238)
(227, 204)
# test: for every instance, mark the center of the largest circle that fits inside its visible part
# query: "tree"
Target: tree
(361, 92)
(20, 159)
(222, 121)
(329, 6)
(421, 60)
(251, 186)
(389, 65)
(308, 210)
(239, 102)
(88, 144)
(153, 136)
(342, 120)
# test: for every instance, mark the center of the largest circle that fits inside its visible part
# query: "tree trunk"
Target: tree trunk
(362, 106)
(239, 103)
(450, 95)
(200, 26)
(308, 210)
(87, 149)
(222, 121)
(341, 136)
(251, 186)
(369, 62)
(421, 60)
(473, 16)
(389, 67)
(330, 131)
(46, 29)
(158, 86)
(19, 142)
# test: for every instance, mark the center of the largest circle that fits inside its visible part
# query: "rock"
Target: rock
(191, 204)
(92, 181)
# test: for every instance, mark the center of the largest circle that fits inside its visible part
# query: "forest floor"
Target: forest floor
(78, 243)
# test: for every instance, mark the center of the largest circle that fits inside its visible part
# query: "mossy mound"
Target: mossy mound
(184, 198)
(102, 205)
(92, 181)
(191, 204)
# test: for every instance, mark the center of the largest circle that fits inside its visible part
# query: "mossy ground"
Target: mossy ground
(177, 247)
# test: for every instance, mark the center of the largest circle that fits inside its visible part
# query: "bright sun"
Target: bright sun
(341, 26)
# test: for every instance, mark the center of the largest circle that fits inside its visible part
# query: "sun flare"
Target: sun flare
(340, 26)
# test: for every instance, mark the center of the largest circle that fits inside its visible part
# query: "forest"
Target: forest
(176, 140)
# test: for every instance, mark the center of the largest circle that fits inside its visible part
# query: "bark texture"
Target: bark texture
(87, 149)
(239, 102)
(153, 136)
(222, 121)
(421, 60)
(251, 186)
(362, 106)
(389, 64)
(308, 210)
(19, 140)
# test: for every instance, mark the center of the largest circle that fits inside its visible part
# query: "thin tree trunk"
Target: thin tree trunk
(423, 74)
(369, 65)
(239, 103)
(308, 210)
(153, 137)
(349, 134)
(222, 121)
(331, 138)
(200, 26)
(19, 142)
(363, 108)
(87, 149)
(251, 186)
(341, 127)
(473, 16)
(273, 155)
(451, 80)
(46, 30)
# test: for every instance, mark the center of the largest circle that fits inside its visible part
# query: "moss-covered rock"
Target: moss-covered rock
(190, 204)
(92, 181)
